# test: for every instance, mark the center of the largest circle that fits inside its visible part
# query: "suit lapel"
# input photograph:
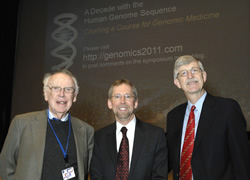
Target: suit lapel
(39, 126)
(138, 144)
(207, 118)
(111, 143)
(79, 133)
(79, 136)
(179, 124)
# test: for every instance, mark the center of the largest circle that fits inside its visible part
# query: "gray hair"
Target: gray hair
(47, 77)
(120, 82)
(185, 60)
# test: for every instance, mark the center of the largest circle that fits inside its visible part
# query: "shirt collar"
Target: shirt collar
(130, 125)
(198, 104)
(52, 117)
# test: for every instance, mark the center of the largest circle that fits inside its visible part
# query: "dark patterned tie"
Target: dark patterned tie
(122, 166)
(187, 149)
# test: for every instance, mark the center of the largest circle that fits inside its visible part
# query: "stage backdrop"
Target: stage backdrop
(101, 41)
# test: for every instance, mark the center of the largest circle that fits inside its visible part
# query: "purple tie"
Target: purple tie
(122, 166)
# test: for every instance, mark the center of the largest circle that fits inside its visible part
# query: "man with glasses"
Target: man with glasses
(206, 136)
(146, 154)
(49, 144)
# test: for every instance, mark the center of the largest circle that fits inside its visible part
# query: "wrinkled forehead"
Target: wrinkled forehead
(122, 88)
(61, 79)
(188, 65)
(184, 60)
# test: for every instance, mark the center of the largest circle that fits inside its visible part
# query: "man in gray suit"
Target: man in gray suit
(49, 144)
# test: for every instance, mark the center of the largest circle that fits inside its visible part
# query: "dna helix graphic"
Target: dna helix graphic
(64, 34)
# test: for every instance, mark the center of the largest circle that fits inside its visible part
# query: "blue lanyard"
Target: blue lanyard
(59, 142)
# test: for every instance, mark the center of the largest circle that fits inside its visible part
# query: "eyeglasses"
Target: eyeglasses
(57, 89)
(184, 73)
(127, 97)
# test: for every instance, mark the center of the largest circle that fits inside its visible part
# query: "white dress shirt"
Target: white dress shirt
(197, 112)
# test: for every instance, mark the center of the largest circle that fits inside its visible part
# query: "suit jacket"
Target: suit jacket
(221, 145)
(22, 154)
(149, 156)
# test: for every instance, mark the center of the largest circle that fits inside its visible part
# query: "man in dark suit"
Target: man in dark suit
(49, 144)
(147, 143)
(220, 145)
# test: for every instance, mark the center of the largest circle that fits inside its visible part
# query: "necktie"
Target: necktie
(187, 149)
(122, 166)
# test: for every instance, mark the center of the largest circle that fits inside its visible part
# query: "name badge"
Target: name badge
(68, 173)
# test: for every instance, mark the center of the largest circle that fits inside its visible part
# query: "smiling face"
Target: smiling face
(59, 102)
(191, 84)
(123, 108)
